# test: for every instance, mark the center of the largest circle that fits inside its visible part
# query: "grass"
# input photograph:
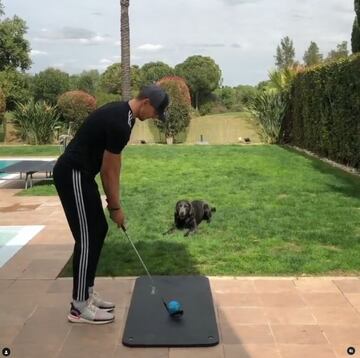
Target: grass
(278, 213)
(13, 150)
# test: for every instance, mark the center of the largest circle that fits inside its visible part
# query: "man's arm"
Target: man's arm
(110, 177)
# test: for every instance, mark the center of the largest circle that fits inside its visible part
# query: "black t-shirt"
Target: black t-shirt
(107, 128)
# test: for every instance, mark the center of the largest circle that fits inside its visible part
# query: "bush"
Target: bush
(178, 111)
(324, 113)
(269, 108)
(75, 106)
(36, 122)
(181, 84)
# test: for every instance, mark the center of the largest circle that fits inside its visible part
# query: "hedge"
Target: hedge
(324, 111)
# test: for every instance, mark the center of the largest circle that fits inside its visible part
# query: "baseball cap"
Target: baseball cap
(158, 98)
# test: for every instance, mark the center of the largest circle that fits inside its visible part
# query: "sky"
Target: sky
(240, 35)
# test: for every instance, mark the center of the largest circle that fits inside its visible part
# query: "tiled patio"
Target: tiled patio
(257, 317)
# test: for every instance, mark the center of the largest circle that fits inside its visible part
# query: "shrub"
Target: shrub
(182, 86)
(324, 113)
(178, 111)
(75, 106)
(36, 122)
(268, 108)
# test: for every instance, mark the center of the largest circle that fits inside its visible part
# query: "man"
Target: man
(97, 147)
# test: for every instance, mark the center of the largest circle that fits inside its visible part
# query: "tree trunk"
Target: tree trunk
(197, 100)
(125, 51)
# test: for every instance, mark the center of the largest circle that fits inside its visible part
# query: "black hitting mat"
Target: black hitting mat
(148, 323)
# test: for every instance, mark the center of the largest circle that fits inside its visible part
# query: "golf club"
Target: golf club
(175, 311)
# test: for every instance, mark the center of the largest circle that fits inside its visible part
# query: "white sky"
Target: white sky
(240, 35)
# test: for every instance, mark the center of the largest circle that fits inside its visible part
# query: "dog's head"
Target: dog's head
(184, 209)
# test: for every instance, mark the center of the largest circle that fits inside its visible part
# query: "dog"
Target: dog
(188, 215)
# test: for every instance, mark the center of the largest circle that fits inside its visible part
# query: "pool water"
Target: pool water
(13, 238)
(6, 163)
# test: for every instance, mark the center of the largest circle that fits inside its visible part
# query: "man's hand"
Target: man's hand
(118, 217)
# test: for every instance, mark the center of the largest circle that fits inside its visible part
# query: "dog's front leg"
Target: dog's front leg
(192, 229)
(170, 230)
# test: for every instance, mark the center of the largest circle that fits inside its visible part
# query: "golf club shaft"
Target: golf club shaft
(147, 271)
(132, 244)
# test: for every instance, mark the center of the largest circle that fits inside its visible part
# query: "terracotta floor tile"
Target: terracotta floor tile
(61, 285)
(348, 286)
(94, 341)
(305, 350)
(236, 300)
(336, 315)
(126, 352)
(29, 286)
(8, 332)
(344, 350)
(289, 315)
(246, 334)
(267, 286)
(203, 352)
(298, 334)
(34, 350)
(282, 299)
(312, 284)
(324, 299)
(242, 315)
(43, 269)
(5, 284)
(342, 334)
(354, 299)
(251, 351)
(225, 286)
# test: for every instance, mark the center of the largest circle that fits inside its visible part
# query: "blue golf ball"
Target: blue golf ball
(174, 307)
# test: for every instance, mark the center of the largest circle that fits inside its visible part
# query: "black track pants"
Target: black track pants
(81, 201)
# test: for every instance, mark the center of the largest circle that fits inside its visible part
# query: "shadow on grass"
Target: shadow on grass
(161, 257)
(347, 184)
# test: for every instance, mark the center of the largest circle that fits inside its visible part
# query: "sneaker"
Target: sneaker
(90, 314)
(100, 303)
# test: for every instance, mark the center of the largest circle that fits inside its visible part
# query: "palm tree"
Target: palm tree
(125, 51)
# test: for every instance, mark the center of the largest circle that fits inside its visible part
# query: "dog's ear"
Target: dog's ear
(191, 209)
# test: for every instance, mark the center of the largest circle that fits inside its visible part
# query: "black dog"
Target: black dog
(188, 215)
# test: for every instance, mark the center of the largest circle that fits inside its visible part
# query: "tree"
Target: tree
(16, 87)
(340, 52)
(285, 53)
(177, 113)
(87, 81)
(111, 80)
(125, 50)
(153, 71)
(355, 36)
(49, 84)
(312, 56)
(14, 48)
(202, 74)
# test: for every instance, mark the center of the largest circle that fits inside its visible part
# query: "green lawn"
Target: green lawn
(278, 213)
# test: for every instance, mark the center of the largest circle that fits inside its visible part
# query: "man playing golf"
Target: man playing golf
(96, 148)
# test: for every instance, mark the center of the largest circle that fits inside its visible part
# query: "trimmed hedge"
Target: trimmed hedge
(324, 111)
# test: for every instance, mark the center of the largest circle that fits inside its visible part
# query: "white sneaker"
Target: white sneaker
(100, 303)
(90, 314)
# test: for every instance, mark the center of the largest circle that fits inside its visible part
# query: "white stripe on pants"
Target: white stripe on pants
(84, 235)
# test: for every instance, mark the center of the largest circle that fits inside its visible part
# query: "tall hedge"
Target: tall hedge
(324, 113)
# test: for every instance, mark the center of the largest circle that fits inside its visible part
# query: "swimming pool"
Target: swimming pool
(13, 238)
(5, 163)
